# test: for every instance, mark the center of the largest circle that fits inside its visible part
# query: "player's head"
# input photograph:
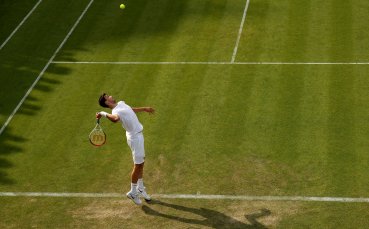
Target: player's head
(102, 100)
(106, 101)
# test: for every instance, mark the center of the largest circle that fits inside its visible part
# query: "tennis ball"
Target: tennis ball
(122, 6)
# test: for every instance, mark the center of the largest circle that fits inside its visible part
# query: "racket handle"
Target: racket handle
(98, 121)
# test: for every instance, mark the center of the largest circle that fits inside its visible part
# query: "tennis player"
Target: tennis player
(127, 116)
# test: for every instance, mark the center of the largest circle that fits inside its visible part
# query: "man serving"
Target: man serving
(127, 116)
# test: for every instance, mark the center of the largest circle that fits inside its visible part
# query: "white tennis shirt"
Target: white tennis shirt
(128, 118)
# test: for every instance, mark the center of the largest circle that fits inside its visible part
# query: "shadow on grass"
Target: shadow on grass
(211, 217)
(8, 145)
(17, 77)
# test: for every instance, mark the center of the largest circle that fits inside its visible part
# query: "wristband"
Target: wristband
(103, 113)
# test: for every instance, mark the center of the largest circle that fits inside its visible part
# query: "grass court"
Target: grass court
(255, 98)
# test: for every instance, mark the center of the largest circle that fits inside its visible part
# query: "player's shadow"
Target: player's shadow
(211, 217)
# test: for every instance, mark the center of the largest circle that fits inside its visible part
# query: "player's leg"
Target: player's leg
(140, 186)
(133, 193)
(137, 173)
(139, 158)
(140, 177)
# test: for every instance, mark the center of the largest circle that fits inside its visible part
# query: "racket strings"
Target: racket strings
(97, 136)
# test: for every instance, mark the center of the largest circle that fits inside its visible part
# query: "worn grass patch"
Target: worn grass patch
(188, 214)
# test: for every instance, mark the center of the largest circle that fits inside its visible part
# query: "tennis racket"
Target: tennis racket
(97, 135)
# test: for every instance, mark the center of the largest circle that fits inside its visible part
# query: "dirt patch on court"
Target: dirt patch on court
(263, 213)
(106, 209)
(188, 213)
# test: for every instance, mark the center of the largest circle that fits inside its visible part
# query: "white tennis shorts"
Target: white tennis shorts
(136, 143)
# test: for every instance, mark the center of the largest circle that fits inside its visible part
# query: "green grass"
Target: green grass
(305, 31)
(283, 130)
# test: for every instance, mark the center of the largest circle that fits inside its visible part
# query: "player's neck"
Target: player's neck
(113, 105)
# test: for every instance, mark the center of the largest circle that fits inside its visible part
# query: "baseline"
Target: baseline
(206, 63)
(191, 196)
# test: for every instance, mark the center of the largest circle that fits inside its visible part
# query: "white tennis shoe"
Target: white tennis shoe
(134, 197)
(143, 193)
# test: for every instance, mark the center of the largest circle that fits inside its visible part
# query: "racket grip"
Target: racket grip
(98, 121)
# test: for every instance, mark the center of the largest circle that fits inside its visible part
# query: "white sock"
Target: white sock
(133, 188)
(140, 184)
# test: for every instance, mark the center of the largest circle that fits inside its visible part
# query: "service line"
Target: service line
(240, 32)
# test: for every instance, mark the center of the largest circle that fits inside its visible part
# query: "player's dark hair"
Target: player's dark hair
(102, 101)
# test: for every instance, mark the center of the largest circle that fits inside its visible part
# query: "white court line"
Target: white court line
(207, 63)
(16, 29)
(191, 196)
(138, 62)
(240, 31)
(44, 69)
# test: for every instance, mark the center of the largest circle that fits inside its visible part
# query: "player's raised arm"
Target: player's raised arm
(144, 109)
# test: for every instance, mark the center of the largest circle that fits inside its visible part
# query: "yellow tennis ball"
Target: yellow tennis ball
(122, 6)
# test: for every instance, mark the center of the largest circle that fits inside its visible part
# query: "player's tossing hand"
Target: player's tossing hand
(101, 114)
